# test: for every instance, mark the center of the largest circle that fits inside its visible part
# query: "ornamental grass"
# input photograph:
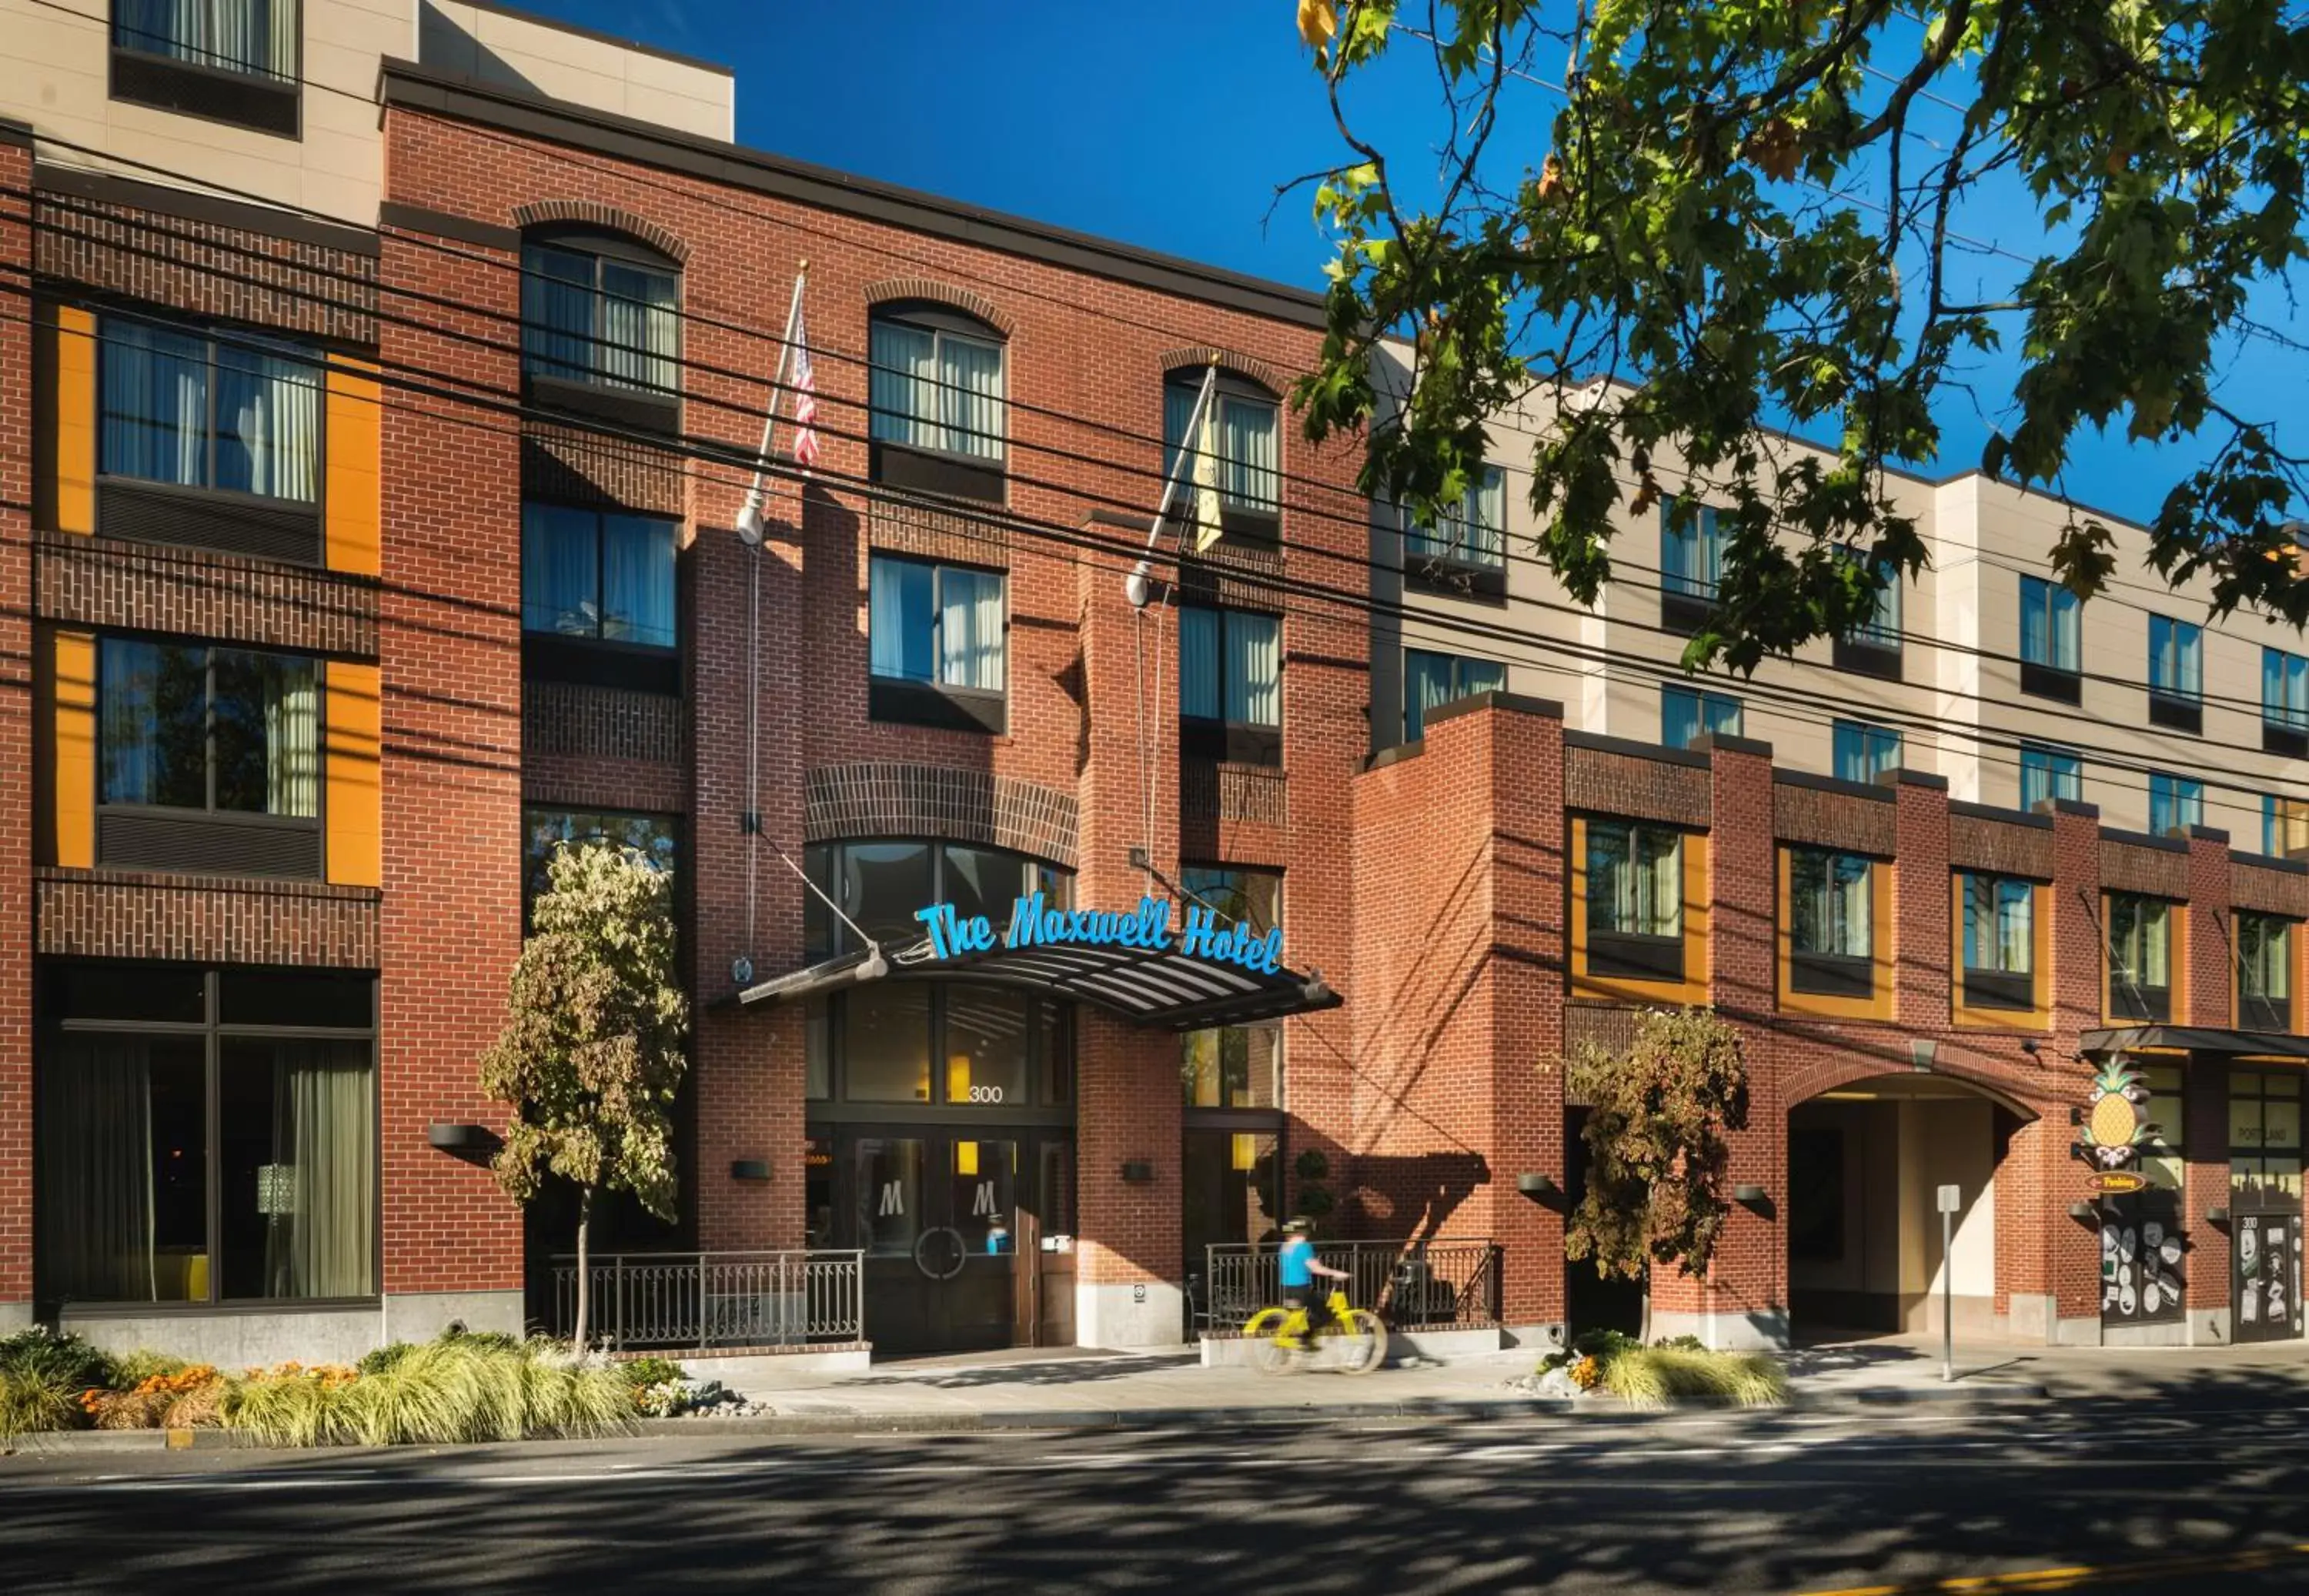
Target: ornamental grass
(1651, 1377)
(458, 1388)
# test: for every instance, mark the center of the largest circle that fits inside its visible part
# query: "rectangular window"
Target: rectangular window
(253, 38)
(1431, 680)
(1231, 684)
(2049, 774)
(208, 759)
(545, 831)
(597, 576)
(1246, 427)
(2000, 942)
(2139, 957)
(2264, 951)
(1873, 646)
(935, 624)
(2264, 1140)
(2284, 703)
(1687, 714)
(1691, 551)
(1831, 912)
(2174, 801)
(2048, 640)
(598, 318)
(1635, 901)
(1473, 534)
(935, 387)
(2284, 827)
(1237, 1067)
(188, 408)
(1862, 752)
(2177, 674)
(225, 1151)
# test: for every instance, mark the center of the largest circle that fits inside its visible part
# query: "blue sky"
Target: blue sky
(1170, 127)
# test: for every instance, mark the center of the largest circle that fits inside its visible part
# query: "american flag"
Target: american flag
(805, 447)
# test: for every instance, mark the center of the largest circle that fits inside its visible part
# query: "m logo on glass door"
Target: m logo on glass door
(894, 1200)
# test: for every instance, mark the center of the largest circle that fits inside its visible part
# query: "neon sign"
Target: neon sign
(1034, 923)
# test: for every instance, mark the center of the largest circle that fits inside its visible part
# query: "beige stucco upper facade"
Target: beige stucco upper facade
(62, 81)
(1958, 702)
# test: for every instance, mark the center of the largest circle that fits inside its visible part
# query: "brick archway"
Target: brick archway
(893, 289)
(844, 802)
(593, 214)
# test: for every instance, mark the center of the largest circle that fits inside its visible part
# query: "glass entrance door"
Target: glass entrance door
(935, 1212)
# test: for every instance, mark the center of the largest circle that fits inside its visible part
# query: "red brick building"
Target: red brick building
(364, 565)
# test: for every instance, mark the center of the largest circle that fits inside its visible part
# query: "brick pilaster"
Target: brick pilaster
(16, 400)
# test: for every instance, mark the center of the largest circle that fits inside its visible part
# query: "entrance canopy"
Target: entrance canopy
(2193, 1039)
(1163, 990)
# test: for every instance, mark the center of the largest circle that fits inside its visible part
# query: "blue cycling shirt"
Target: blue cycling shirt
(1296, 1254)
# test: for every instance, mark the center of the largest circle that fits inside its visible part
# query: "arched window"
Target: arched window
(937, 396)
(599, 310)
(1244, 426)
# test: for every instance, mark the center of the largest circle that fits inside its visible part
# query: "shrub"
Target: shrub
(141, 1365)
(653, 1371)
(1647, 1376)
(458, 1388)
(384, 1358)
(1680, 1343)
(1604, 1345)
(191, 1396)
(65, 1361)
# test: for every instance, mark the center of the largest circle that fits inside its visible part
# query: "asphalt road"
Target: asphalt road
(2127, 1497)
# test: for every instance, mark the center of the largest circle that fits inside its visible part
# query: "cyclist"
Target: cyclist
(1299, 1267)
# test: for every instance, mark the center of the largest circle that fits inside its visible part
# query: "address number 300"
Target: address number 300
(986, 1094)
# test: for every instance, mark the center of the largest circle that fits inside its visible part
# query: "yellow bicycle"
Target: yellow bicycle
(1355, 1339)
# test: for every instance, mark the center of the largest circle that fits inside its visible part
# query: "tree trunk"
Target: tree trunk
(585, 1266)
(1644, 1325)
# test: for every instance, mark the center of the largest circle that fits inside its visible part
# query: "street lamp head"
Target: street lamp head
(750, 524)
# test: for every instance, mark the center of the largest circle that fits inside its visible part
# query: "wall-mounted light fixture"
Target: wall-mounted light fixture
(1921, 1052)
(1755, 1199)
(459, 1138)
(2217, 1216)
(1137, 1172)
(2029, 1045)
(749, 1168)
(2083, 1212)
(1539, 1188)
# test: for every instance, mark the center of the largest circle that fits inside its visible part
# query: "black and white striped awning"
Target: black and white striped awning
(1162, 990)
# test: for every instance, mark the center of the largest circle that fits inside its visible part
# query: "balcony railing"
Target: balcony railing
(706, 1301)
(1450, 1284)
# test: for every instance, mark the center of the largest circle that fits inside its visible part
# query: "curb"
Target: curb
(946, 1421)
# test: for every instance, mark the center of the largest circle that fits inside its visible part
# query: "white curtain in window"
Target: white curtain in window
(1254, 670)
(638, 327)
(156, 404)
(637, 562)
(903, 385)
(556, 312)
(320, 1232)
(239, 33)
(1247, 437)
(970, 397)
(970, 629)
(1483, 533)
(96, 1207)
(1660, 859)
(268, 424)
(887, 620)
(559, 571)
(284, 58)
(1198, 663)
(292, 739)
(1178, 415)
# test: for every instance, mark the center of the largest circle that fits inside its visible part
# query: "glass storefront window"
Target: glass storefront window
(888, 1201)
(2160, 1158)
(882, 884)
(984, 1195)
(817, 1049)
(886, 1051)
(987, 1059)
(984, 881)
(2264, 1138)
(1239, 1067)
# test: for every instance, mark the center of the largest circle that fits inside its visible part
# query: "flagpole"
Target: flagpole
(1137, 586)
(750, 514)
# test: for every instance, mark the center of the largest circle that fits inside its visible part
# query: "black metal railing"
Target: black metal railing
(1447, 1285)
(701, 1301)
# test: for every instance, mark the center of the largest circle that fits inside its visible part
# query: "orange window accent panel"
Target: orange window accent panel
(355, 804)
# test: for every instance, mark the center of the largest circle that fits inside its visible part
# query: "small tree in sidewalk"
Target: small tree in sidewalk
(1656, 1145)
(591, 1053)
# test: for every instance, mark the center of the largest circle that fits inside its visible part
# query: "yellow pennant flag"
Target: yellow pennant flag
(1206, 475)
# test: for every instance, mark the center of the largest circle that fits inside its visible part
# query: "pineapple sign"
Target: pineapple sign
(2113, 1129)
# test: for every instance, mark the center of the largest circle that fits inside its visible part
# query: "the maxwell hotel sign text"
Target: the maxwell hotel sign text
(1035, 923)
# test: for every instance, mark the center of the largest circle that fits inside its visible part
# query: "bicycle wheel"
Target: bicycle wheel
(1260, 1331)
(1362, 1343)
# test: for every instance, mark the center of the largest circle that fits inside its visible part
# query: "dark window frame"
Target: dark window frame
(1819, 973)
(178, 838)
(1218, 738)
(226, 520)
(1251, 525)
(948, 473)
(2131, 999)
(595, 660)
(215, 1031)
(267, 102)
(641, 404)
(1635, 956)
(1458, 692)
(2257, 1011)
(1995, 986)
(908, 701)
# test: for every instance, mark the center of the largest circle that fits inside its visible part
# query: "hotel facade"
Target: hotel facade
(379, 413)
